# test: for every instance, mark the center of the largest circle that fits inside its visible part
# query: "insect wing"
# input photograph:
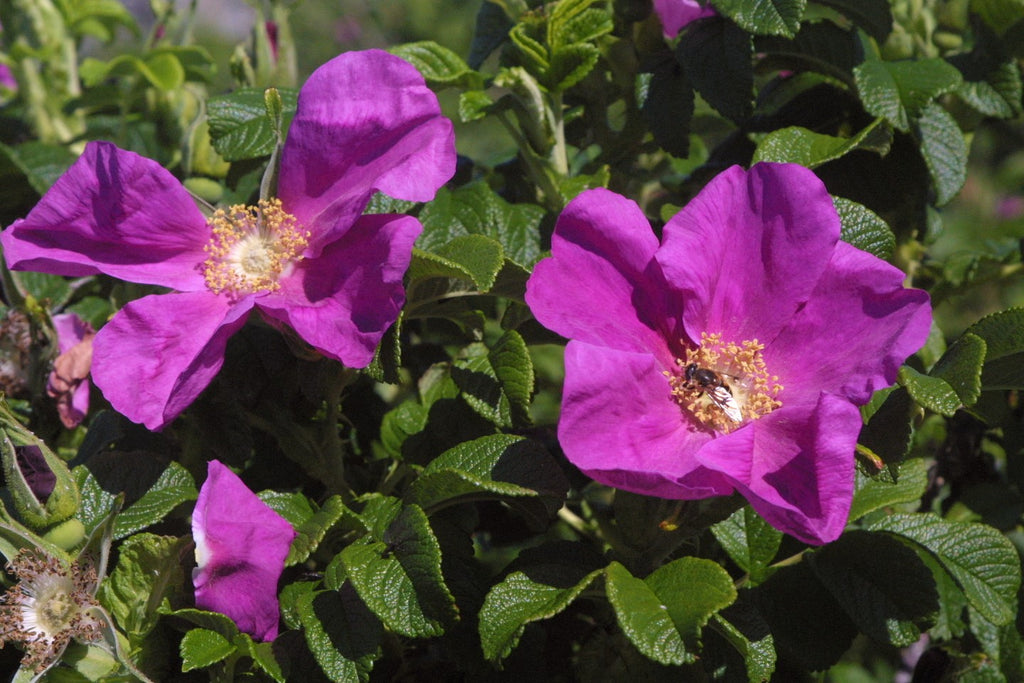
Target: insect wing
(722, 397)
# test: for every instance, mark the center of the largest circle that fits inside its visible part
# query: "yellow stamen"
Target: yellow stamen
(749, 388)
(251, 247)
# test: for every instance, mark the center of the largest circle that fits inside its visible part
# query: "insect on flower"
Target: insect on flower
(715, 388)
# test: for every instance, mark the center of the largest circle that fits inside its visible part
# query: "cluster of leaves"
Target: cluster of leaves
(441, 532)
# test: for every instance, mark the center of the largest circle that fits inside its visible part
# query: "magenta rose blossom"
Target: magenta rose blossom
(307, 259)
(675, 15)
(732, 356)
(69, 380)
(241, 546)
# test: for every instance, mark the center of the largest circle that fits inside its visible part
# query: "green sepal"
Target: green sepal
(63, 500)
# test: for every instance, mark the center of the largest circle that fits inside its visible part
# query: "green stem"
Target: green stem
(552, 196)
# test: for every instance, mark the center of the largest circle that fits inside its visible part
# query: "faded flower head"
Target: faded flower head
(241, 546)
(307, 259)
(68, 381)
(50, 605)
(15, 352)
(733, 355)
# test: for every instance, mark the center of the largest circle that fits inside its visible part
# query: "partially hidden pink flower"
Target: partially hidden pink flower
(69, 379)
(7, 78)
(307, 259)
(733, 355)
(241, 546)
(676, 15)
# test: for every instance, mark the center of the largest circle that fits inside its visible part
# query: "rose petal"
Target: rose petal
(748, 250)
(241, 546)
(70, 330)
(117, 213)
(620, 426)
(676, 14)
(856, 330)
(594, 287)
(158, 353)
(795, 466)
(343, 301)
(366, 121)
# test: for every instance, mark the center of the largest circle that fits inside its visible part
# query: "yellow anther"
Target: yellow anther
(724, 385)
(251, 247)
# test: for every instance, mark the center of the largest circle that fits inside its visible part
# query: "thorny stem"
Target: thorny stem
(559, 154)
(552, 197)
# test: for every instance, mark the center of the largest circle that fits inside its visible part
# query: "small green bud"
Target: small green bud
(67, 535)
(43, 490)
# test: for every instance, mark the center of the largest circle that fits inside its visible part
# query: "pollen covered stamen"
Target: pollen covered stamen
(724, 385)
(251, 248)
(50, 605)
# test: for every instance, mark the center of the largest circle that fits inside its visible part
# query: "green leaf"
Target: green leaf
(148, 571)
(514, 369)
(644, 618)
(887, 434)
(764, 17)
(981, 560)
(886, 489)
(898, 91)
(944, 150)
(160, 69)
(497, 382)
(531, 53)
(311, 528)
(881, 584)
(810, 628)
(933, 393)
(666, 100)
(663, 615)
(212, 621)
(741, 625)
(820, 47)
(174, 487)
(574, 22)
(201, 647)
(949, 621)
(1003, 334)
(1002, 644)
(544, 582)
(960, 366)
(864, 229)
(716, 57)
(473, 106)
(1000, 15)
(874, 16)
(476, 209)
(492, 27)
(497, 466)
(464, 265)
(262, 655)
(343, 635)
(399, 577)
(998, 95)
(39, 163)
(750, 541)
(805, 147)
(570, 65)
(239, 125)
(156, 489)
(439, 66)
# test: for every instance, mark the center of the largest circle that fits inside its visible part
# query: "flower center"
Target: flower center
(49, 606)
(724, 385)
(251, 247)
